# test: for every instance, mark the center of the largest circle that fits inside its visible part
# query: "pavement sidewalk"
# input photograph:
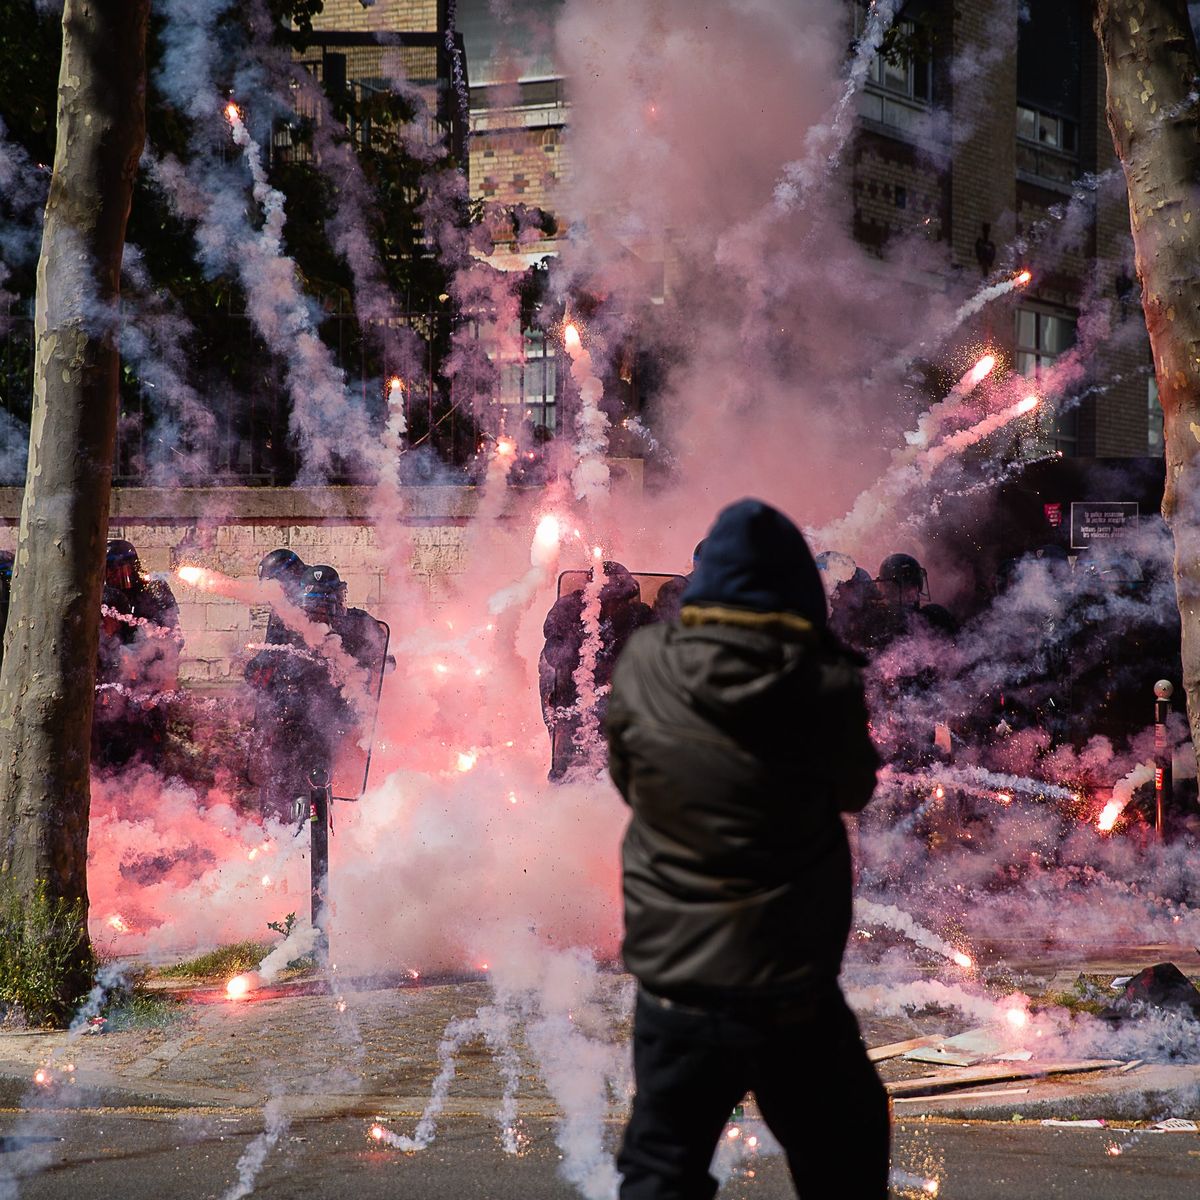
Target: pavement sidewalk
(376, 1053)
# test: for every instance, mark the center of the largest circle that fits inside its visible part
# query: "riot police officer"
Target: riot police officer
(287, 568)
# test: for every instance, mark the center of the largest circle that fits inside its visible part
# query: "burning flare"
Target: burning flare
(193, 576)
(1028, 405)
(1108, 816)
(506, 447)
(240, 986)
(963, 960)
(1022, 277)
(232, 112)
(571, 337)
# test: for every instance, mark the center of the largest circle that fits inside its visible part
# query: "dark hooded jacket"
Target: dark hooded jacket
(738, 736)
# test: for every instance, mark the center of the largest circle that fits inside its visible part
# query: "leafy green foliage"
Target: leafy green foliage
(46, 960)
(285, 926)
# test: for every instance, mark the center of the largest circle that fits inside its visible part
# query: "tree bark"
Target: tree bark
(48, 678)
(1153, 111)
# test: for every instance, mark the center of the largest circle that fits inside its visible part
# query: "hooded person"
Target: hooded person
(738, 736)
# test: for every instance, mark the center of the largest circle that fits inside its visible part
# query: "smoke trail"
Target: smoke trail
(255, 1155)
(590, 476)
(824, 143)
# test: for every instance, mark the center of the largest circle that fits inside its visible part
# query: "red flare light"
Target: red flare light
(395, 384)
(193, 576)
(232, 112)
(571, 337)
(1023, 277)
(1108, 816)
(506, 447)
(963, 960)
(240, 986)
(1028, 404)
(117, 922)
(1018, 1018)
(378, 1132)
(981, 370)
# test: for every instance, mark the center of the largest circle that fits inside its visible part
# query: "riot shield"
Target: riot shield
(303, 723)
(367, 640)
(654, 587)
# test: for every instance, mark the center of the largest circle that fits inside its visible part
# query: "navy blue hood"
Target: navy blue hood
(755, 558)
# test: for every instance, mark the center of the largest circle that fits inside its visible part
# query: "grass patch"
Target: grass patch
(221, 962)
(140, 1010)
(46, 961)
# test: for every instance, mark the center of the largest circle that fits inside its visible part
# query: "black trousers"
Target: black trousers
(807, 1066)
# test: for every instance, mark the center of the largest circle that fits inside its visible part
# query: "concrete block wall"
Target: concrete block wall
(230, 529)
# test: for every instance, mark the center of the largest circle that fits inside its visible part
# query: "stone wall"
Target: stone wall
(230, 529)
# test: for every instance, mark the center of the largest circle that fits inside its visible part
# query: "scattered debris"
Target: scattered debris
(896, 1049)
(1019, 1091)
(1162, 986)
(1176, 1125)
(1131, 1065)
(1057, 1124)
(927, 1085)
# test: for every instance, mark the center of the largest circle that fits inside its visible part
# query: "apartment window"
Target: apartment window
(1154, 418)
(1046, 129)
(899, 86)
(530, 383)
(1041, 337)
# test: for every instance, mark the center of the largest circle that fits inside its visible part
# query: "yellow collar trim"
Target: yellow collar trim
(706, 614)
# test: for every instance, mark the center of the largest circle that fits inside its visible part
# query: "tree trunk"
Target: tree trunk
(1150, 57)
(49, 673)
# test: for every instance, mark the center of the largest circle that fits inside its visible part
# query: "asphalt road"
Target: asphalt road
(193, 1155)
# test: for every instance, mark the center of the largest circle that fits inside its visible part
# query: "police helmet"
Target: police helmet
(322, 591)
(697, 552)
(6, 565)
(835, 568)
(619, 583)
(904, 573)
(122, 566)
(282, 564)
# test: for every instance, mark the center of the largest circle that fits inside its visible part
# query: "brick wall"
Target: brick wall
(351, 16)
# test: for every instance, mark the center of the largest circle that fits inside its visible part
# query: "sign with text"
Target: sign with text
(1095, 521)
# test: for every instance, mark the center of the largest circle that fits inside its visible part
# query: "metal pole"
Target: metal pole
(1163, 691)
(318, 780)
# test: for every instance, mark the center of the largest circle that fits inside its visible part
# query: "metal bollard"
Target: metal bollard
(1163, 691)
(319, 799)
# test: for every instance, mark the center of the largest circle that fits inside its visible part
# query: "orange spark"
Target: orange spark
(1022, 277)
(232, 112)
(571, 337)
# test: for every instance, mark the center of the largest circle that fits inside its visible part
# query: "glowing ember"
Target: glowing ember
(466, 760)
(512, 797)
(939, 792)
(378, 1132)
(1018, 1018)
(571, 337)
(1028, 404)
(483, 966)
(42, 1077)
(395, 385)
(733, 1132)
(232, 112)
(240, 986)
(752, 1141)
(441, 668)
(266, 881)
(545, 540)
(979, 372)
(1021, 278)
(1108, 816)
(963, 960)
(930, 1187)
(597, 553)
(506, 447)
(193, 576)
(117, 922)
(1112, 1150)
(1004, 797)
